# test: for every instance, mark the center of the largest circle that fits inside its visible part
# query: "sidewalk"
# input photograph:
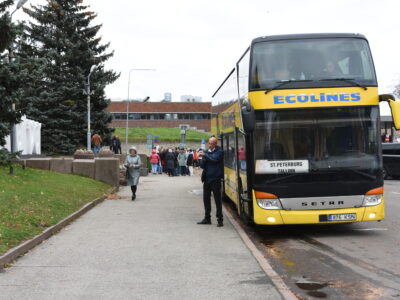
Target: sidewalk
(150, 248)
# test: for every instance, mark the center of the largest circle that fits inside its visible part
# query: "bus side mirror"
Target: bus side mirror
(395, 108)
(385, 97)
(248, 118)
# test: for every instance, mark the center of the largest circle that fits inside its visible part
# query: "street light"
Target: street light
(127, 104)
(19, 5)
(88, 107)
(13, 146)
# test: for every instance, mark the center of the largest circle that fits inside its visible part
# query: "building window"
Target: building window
(161, 116)
(183, 116)
(119, 116)
(134, 116)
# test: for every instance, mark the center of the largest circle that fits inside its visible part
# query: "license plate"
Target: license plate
(342, 217)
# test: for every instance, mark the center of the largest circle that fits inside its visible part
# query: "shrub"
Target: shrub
(7, 158)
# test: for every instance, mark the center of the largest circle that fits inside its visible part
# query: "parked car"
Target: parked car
(391, 160)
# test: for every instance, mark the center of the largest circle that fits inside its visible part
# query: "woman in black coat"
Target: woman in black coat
(170, 162)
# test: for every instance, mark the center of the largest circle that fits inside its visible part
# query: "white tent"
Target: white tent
(28, 139)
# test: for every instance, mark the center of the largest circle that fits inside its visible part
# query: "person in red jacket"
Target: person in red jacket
(195, 159)
(154, 160)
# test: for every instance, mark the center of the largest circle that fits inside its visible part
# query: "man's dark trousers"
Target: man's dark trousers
(215, 187)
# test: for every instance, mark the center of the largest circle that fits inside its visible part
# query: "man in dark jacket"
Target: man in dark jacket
(213, 171)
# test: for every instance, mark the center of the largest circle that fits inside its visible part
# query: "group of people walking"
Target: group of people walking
(174, 161)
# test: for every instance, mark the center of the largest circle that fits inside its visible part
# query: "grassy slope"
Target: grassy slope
(32, 200)
(165, 134)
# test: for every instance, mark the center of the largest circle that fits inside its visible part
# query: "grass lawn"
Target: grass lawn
(32, 200)
(165, 134)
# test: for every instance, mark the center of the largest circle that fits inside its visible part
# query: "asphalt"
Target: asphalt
(150, 248)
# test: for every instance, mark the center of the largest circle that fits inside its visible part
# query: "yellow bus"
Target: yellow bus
(298, 120)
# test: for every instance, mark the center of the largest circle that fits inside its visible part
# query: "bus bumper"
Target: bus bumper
(286, 217)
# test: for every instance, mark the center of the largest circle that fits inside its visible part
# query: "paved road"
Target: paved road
(349, 261)
(151, 248)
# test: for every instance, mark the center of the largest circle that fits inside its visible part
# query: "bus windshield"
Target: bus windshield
(334, 139)
(319, 62)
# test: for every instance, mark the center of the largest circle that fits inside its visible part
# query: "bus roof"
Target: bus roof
(307, 36)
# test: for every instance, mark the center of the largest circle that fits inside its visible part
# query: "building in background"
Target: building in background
(197, 115)
(167, 97)
(190, 98)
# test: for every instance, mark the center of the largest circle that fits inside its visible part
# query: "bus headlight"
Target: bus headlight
(372, 200)
(269, 203)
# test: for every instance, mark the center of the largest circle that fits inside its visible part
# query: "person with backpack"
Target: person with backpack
(154, 160)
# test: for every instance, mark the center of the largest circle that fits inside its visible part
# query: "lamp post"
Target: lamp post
(89, 135)
(13, 146)
(127, 105)
(19, 5)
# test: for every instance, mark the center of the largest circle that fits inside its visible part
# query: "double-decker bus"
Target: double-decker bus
(298, 120)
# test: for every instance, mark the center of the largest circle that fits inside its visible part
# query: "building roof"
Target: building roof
(162, 107)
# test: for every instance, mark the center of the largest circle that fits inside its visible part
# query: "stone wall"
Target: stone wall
(103, 169)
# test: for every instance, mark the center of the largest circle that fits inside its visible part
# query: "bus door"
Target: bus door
(244, 209)
(230, 167)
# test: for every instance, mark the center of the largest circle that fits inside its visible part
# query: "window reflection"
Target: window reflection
(327, 138)
(311, 59)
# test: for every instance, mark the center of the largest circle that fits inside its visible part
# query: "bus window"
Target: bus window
(243, 76)
(311, 61)
(232, 152)
(329, 139)
(229, 151)
(226, 152)
(241, 153)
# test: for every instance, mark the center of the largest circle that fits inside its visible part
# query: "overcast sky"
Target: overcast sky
(194, 44)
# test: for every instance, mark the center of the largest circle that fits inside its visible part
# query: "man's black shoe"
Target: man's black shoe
(220, 224)
(204, 221)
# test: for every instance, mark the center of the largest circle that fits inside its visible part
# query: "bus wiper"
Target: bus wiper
(362, 173)
(281, 178)
(350, 169)
(348, 80)
(283, 82)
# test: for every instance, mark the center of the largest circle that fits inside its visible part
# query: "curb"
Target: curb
(21, 249)
(277, 281)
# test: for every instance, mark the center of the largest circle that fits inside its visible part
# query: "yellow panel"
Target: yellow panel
(295, 98)
(230, 118)
(214, 129)
(395, 107)
(378, 210)
(261, 217)
(231, 185)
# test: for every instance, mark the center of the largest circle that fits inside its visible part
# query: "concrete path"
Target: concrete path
(150, 248)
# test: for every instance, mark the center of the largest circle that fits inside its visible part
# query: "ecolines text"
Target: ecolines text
(322, 97)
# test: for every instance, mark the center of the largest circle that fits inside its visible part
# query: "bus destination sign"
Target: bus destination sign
(281, 166)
